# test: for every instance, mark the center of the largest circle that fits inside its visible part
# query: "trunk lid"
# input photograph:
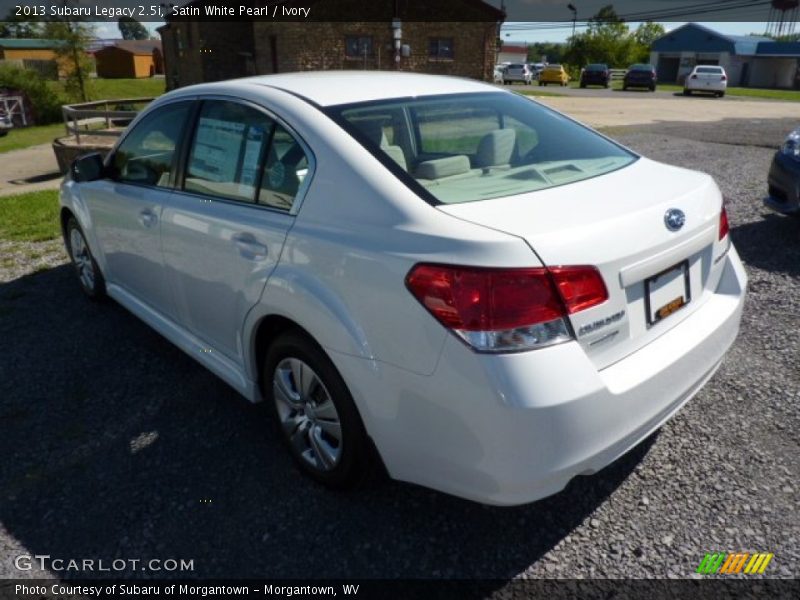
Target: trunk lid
(616, 222)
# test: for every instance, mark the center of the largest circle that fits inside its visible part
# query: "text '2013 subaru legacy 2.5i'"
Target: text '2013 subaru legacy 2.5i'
(480, 293)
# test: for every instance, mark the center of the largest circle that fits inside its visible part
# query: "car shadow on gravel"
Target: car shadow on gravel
(116, 445)
(771, 244)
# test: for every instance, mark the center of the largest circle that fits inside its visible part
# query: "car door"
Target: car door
(126, 208)
(224, 228)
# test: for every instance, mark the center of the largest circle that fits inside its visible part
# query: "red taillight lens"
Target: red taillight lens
(474, 299)
(498, 310)
(724, 226)
(724, 78)
(694, 77)
(580, 287)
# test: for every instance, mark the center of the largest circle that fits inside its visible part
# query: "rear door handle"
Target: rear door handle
(249, 247)
(148, 218)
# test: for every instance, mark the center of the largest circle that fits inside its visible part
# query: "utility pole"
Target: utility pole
(574, 19)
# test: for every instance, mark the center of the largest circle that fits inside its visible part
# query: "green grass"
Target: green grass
(31, 217)
(128, 88)
(539, 92)
(110, 89)
(24, 137)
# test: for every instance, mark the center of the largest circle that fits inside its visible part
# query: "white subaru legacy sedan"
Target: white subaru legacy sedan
(425, 273)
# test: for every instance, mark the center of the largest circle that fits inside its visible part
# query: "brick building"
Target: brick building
(458, 37)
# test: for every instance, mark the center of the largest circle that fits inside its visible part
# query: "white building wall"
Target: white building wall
(773, 72)
(512, 57)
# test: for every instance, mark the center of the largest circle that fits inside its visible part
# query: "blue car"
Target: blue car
(784, 177)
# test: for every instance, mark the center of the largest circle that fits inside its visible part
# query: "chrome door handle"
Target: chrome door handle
(148, 218)
(249, 247)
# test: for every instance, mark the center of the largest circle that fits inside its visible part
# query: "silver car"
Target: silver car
(5, 124)
(518, 73)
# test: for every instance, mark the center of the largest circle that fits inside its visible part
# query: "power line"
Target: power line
(685, 11)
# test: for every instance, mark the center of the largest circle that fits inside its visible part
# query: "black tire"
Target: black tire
(583, 86)
(90, 277)
(541, 83)
(722, 94)
(624, 88)
(356, 462)
(687, 92)
(652, 88)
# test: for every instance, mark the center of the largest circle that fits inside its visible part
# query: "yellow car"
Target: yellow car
(553, 74)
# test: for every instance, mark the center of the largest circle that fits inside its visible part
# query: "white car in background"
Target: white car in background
(706, 78)
(427, 272)
(518, 73)
(499, 72)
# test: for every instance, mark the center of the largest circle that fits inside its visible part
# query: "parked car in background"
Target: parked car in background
(517, 73)
(706, 78)
(784, 177)
(640, 75)
(553, 74)
(5, 123)
(491, 300)
(596, 74)
(536, 69)
(499, 72)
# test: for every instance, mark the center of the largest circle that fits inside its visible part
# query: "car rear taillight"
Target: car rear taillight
(693, 77)
(724, 226)
(506, 310)
(724, 78)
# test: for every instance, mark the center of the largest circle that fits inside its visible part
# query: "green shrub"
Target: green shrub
(46, 102)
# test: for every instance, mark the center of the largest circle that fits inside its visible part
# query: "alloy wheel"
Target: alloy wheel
(307, 414)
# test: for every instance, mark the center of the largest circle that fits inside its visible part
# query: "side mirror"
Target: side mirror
(88, 167)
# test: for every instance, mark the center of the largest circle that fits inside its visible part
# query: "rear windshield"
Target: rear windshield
(466, 147)
(596, 68)
(516, 66)
(642, 68)
(709, 70)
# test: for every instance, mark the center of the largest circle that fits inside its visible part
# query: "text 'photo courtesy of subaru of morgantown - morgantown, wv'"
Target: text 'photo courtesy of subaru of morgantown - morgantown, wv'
(423, 274)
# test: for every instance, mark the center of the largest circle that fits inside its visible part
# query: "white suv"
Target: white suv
(427, 272)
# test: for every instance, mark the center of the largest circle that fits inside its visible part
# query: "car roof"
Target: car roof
(329, 88)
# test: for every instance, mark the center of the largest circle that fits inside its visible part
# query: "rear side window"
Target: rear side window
(284, 172)
(147, 154)
(227, 150)
(239, 153)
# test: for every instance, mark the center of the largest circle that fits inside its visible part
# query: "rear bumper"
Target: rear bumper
(701, 86)
(639, 83)
(514, 428)
(784, 185)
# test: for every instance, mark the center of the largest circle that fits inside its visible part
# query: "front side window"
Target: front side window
(147, 155)
(467, 147)
(441, 48)
(357, 46)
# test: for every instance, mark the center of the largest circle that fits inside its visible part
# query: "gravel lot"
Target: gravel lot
(117, 445)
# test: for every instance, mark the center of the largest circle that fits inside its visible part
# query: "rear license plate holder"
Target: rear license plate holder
(667, 292)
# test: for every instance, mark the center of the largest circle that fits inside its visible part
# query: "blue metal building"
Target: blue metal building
(750, 61)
